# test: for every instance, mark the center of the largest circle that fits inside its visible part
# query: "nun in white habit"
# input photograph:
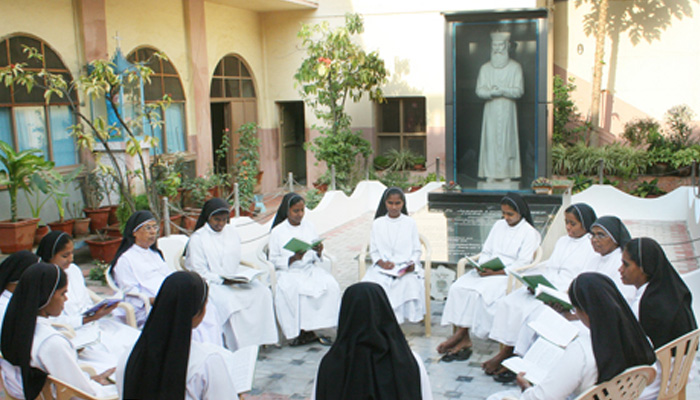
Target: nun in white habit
(307, 297)
(139, 267)
(245, 309)
(115, 337)
(394, 244)
(471, 300)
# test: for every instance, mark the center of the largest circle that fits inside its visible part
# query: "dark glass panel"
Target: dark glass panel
(217, 88)
(35, 96)
(231, 66)
(244, 70)
(51, 59)
(414, 115)
(168, 68)
(5, 94)
(17, 54)
(247, 88)
(387, 143)
(219, 71)
(389, 114)
(3, 54)
(154, 91)
(233, 88)
(416, 145)
(173, 88)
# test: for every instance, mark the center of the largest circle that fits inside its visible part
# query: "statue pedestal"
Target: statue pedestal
(506, 185)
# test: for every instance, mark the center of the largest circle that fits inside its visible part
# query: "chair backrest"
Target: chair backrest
(628, 385)
(676, 358)
(172, 247)
(65, 391)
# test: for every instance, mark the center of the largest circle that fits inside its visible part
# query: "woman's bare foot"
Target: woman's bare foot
(448, 346)
(493, 365)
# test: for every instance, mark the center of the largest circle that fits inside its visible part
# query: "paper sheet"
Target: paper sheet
(538, 361)
(554, 327)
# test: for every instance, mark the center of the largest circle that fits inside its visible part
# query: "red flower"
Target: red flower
(325, 60)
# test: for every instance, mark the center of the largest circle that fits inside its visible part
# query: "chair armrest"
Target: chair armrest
(362, 261)
(96, 298)
(129, 313)
(514, 283)
(263, 266)
(88, 369)
(326, 256)
(145, 299)
(262, 258)
(65, 329)
(462, 264)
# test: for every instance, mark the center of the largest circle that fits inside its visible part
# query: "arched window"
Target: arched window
(232, 79)
(164, 80)
(26, 121)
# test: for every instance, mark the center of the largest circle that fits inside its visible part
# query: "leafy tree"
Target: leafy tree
(337, 69)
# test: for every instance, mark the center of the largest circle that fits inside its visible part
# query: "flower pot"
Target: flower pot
(542, 189)
(103, 250)
(213, 192)
(98, 218)
(41, 231)
(16, 236)
(81, 227)
(65, 226)
(112, 214)
(189, 219)
(321, 187)
(113, 231)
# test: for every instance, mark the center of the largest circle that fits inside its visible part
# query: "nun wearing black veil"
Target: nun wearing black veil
(394, 244)
(370, 358)
(214, 252)
(614, 342)
(32, 347)
(11, 269)
(471, 302)
(139, 267)
(165, 362)
(307, 297)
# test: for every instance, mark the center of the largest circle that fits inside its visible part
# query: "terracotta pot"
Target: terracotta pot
(98, 218)
(213, 192)
(112, 214)
(103, 250)
(113, 231)
(81, 227)
(65, 226)
(174, 224)
(542, 189)
(321, 187)
(16, 236)
(189, 220)
(41, 231)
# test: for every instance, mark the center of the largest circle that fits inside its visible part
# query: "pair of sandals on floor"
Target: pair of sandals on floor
(306, 337)
(501, 374)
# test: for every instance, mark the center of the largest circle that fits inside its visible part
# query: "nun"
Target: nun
(11, 269)
(663, 303)
(307, 297)
(571, 253)
(32, 347)
(370, 358)
(165, 362)
(214, 251)
(394, 243)
(115, 338)
(471, 301)
(614, 342)
(139, 267)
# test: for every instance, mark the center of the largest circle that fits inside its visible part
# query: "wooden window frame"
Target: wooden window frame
(403, 136)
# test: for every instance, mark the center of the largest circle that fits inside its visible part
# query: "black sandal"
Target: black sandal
(303, 338)
(461, 355)
(507, 376)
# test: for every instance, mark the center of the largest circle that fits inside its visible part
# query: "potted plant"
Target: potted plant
(58, 188)
(104, 248)
(18, 234)
(81, 226)
(542, 185)
(93, 194)
(451, 186)
(247, 164)
(37, 196)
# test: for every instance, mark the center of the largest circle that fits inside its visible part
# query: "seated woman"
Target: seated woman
(395, 242)
(370, 358)
(214, 251)
(115, 337)
(11, 269)
(139, 267)
(472, 298)
(166, 363)
(570, 255)
(614, 343)
(32, 346)
(307, 297)
(663, 304)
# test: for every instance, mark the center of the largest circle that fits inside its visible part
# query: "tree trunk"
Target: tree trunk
(601, 32)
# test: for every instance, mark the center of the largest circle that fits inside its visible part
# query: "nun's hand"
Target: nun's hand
(319, 249)
(522, 382)
(296, 257)
(385, 264)
(490, 272)
(101, 312)
(103, 378)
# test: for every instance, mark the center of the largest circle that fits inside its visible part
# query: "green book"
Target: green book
(299, 246)
(532, 281)
(494, 264)
(548, 295)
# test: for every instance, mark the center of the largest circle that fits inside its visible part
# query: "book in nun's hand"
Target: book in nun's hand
(243, 275)
(532, 281)
(537, 362)
(299, 246)
(398, 271)
(104, 303)
(549, 295)
(494, 264)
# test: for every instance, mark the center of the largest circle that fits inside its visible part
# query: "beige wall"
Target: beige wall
(645, 79)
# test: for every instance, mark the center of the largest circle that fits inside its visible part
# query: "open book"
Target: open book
(553, 327)
(245, 359)
(243, 275)
(85, 336)
(549, 295)
(532, 281)
(494, 264)
(538, 361)
(398, 271)
(299, 246)
(104, 303)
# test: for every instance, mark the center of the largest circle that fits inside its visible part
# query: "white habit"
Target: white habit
(143, 271)
(396, 240)
(54, 354)
(499, 152)
(306, 296)
(116, 338)
(471, 299)
(568, 259)
(575, 372)
(245, 310)
(208, 373)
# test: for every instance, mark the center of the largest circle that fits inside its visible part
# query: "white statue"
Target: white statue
(500, 83)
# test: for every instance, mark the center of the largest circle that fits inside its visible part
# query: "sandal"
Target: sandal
(507, 376)
(303, 338)
(325, 341)
(461, 355)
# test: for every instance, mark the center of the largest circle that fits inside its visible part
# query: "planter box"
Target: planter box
(103, 250)
(81, 227)
(16, 236)
(65, 226)
(112, 214)
(98, 218)
(41, 231)
(189, 219)
(113, 231)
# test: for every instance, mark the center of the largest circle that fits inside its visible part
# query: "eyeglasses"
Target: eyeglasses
(599, 235)
(151, 228)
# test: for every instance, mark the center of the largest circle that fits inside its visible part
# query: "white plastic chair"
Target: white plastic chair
(113, 285)
(264, 250)
(172, 248)
(675, 370)
(512, 282)
(628, 385)
(427, 268)
(692, 280)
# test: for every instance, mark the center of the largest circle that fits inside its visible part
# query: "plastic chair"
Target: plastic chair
(628, 385)
(172, 248)
(65, 391)
(262, 255)
(427, 268)
(512, 282)
(675, 370)
(113, 285)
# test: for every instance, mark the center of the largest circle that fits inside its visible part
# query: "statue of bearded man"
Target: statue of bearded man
(500, 83)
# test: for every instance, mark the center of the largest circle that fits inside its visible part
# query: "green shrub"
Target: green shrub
(313, 197)
(642, 131)
(685, 157)
(401, 160)
(381, 162)
(647, 188)
(396, 178)
(565, 110)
